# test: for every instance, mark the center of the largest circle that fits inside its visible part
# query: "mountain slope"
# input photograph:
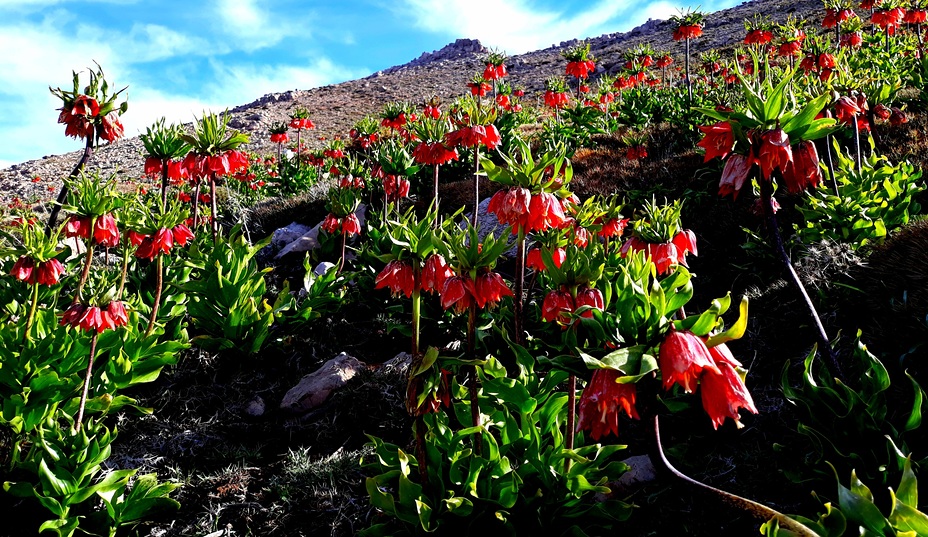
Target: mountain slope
(444, 73)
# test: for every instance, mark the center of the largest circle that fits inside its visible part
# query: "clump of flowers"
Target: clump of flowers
(660, 233)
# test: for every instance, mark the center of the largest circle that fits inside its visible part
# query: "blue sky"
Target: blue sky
(182, 57)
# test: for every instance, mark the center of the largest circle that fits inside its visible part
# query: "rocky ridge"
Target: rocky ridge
(443, 73)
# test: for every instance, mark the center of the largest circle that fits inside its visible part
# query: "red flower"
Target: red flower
(433, 153)
(494, 72)
(110, 128)
(915, 16)
(533, 259)
(24, 269)
(351, 225)
(331, 224)
(457, 292)
(78, 226)
(557, 304)
(846, 110)
(775, 152)
(182, 235)
(556, 99)
(545, 212)
(614, 227)
(280, 138)
(511, 207)
(396, 187)
(600, 403)
(882, 112)
(719, 140)
(589, 296)
(117, 312)
(398, 277)
(471, 136)
(580, 69)
(897, 117)
(302, 123)
(136, 238)
(685, 241)
(429, 111)
(490, 289)
(105, 232)
(851, 40)
(803, 171)
(723, 392)
(434, 273)
(48, 272)
(682, 358)
(687, 32)
(664, 255)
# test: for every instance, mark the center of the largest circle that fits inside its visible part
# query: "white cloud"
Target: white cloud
(513, 25)
(253, 28)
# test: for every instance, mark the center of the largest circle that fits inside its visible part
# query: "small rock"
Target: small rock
(641, 472)
(256, 407)
(315, 388)
(399, 363)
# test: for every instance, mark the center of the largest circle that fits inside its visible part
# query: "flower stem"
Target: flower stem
(472, 385)
(571, 416)
(196, 206)
(416, 302)
(689, 83)
(476, 181)
(435, 197)
(88, 260)
(421, 460)
(87, 379)
(341, 261)
(164, 184)
(159, 282)
(857, 143)
(214, 224)
(519, 284)
(124, 273)
(32, 309)
(766, 193)
(63, 193)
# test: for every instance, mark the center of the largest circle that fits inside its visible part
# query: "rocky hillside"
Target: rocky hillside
(443, 73)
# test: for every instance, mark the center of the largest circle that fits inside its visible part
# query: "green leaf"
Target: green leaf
(735, 331)
(908, 485)
(914, 420)
(906, 518)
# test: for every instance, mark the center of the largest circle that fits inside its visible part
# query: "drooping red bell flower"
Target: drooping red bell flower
(589, 296)
(395, 187)
(685, 241)
(664, 255)
(881, 112)
(95, 318)
(545, 212)
(718, 141)
(790, 48)
(489, 289)
(557, 306)
(472, 135)
(683, 358)
(851, 40)
(915, 16)
(580, 69)
(897, 117)
(302, 123)
(724, 393)
(182, 235)
(78, 226)
(503, 102)
(533, 259)
(105, 232)
(398, 277)
(687, 32)
(430, 110)
(511, 207)
(774, 153)
(24, 269)
(280, 138)
(556, 99)
(803, 171)
(479, 89)
(458, 291)
(601, 401)
(614, 227)
(433, 154)
(494, 72)
(351, 225)
(110, 128)
(77, 118)
(331, 224)
(434, 273)
(846, 110)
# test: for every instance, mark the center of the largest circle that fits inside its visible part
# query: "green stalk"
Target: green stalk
(63, 193)
(519, 284)
(472, 385)
(159, 283)
(214, 224)
(88, 260)
(571, 416)
(32, 309)
(88, 377)
(124, 272)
